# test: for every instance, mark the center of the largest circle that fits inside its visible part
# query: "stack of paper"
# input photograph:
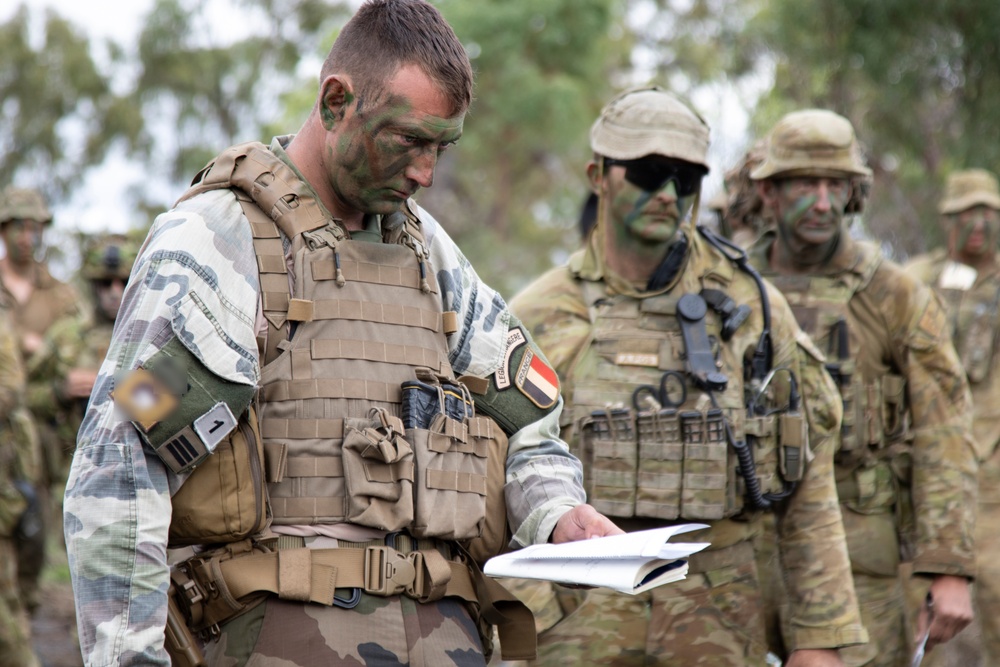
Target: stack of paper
(629, 563)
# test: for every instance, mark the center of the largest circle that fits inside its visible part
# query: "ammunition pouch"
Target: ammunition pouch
(672, 464)
(875, 414)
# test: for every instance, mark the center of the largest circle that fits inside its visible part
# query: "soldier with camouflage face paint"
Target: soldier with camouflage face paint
(906, 465)
(36, 301)
(966, 275)
(297, 314)
(663, 442)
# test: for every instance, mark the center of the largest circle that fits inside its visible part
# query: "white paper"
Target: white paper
(619, 562)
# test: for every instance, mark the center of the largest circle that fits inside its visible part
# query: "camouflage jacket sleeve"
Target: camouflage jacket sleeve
(197, 266)
(944, 486)
(544, 480)
(823, 609)
(11, 370)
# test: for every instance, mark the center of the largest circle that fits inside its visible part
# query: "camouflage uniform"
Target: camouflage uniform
(15, 464)
(580, 316)
(906, 465)
(973, 301)
(49, 301)
(118, 498)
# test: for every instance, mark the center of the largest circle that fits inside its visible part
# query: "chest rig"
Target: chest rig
(874, 399)
(662, 432)
(973, 314)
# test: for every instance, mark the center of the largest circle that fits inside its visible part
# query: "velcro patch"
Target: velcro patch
(515, 339)
(537, 380)
(183, 451)
(144, 398)
(213, 426)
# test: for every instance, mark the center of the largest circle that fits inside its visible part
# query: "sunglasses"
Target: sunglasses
(652, 173)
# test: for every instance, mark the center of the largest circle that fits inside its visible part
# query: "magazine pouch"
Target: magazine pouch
(610, 460)
(450, 486)
(661, 450)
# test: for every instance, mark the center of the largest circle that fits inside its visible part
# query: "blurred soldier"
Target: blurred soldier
(19, 515)
(906, 466)
(65, 367)
(745, 217)
(966, 275)
(37, 300)
(664, 340)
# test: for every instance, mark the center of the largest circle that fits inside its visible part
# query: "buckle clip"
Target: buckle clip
(387, 572)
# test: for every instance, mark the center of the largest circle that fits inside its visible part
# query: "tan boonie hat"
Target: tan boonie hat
(812, 142)
(650, 121)
(972, 187)
(23, 204)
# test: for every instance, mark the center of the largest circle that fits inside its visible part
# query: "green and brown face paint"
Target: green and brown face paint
(976, 230)
(645, 222)
(385, 151)
(800, 222)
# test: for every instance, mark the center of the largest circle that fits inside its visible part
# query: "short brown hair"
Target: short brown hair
(385, 35)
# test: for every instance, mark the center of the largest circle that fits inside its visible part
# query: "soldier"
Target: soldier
(65, 367)
(676, 360)
(404, 413)
(745, 217)
(18, 521)
(906, 465)
(966, 275)
(37, 300)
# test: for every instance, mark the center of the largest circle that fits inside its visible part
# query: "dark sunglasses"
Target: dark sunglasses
(652, 173)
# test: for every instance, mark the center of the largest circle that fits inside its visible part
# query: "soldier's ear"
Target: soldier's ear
(595, 177)
(335, 96)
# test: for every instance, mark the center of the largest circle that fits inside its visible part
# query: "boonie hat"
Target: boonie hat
(23, 204)
(972, 187)
(650, 121)
(812, 142)
(107, 256)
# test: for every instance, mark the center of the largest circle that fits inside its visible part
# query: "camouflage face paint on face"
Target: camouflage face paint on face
(640, 219)
(977, 231)
(384, 154)
(809, 210)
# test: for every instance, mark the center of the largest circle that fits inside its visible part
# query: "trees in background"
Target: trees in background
(918, 80)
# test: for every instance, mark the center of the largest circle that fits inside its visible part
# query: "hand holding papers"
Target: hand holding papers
(629, 563)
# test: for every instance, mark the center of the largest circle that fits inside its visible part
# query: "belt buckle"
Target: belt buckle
(387, 572)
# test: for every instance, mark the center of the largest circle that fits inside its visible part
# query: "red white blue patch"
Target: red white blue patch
(537, 380)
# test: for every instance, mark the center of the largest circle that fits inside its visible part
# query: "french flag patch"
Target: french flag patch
(537, 380)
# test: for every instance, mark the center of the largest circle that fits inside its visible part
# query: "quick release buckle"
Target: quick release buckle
(387, 571)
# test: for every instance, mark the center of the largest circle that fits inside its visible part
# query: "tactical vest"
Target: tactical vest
(875, 411)
(661, 461)
(341, 443)
(974, 316)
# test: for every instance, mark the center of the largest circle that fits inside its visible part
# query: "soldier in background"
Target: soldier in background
(64, 369)
(966, 276)
(610, 322)
(37, 300)
(745, 217)
(906, 467)
(19, 517)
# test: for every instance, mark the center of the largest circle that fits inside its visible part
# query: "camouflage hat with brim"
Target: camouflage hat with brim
(972, 187)
(650, 121)
(812, 142)
(23, 204)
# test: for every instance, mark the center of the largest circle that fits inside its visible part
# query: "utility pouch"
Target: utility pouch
(853, 423)
(378, 472)
(610, 452)
(793, 437)
(661, 450)
(224, 500)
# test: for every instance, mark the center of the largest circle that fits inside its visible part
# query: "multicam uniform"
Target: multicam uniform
(16, 463)
(973, 312)
(906, 464)
(605, 339)
(196, 281)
